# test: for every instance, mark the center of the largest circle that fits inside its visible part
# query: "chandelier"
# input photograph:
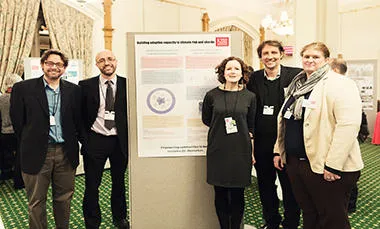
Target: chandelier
(283, 27)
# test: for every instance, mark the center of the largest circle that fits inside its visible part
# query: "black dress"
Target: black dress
(229, 156)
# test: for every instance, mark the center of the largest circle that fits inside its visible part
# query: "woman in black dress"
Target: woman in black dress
(229, 110)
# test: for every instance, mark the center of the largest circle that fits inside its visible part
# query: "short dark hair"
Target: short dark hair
(49, 52)
(219, 70)
(273, 43)
(339, 65)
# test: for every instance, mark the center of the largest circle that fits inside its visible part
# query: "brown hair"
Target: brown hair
(273, 43)
(49, 52)
(219, 70)
(317, 46)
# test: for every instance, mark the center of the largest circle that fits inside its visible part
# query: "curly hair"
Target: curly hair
(219, 70)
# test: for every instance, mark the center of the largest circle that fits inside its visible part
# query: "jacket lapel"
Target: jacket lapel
(283, 73)
(283, 81)
(119, 89)
(316, 95)
(96, 92)
(41, 95)
(64, 95)
(260, 86)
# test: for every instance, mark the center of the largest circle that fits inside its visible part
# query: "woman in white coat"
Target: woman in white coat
(317, 129)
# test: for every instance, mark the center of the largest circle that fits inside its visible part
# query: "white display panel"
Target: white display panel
(173, 73)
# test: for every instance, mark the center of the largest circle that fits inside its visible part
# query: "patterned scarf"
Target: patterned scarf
(302, 85)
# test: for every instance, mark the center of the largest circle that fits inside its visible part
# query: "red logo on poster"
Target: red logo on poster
(222, 41)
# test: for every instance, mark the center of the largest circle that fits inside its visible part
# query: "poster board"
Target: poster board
(169, 191)
(364, 73)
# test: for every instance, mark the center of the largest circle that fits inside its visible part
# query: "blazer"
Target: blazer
(256, 85)
(256, 81)
(91, 103)
(30, 118)
(330, 127)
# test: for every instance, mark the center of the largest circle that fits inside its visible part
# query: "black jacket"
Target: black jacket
(256, 85)
(30, 118)
(91, 102)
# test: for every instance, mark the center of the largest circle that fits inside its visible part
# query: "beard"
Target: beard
(108, 71)
(53, 74)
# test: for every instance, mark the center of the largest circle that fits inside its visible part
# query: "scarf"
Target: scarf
(302, 85)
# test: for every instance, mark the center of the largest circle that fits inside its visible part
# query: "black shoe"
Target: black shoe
(267, 226)
(351, 210)
(18, 186)
(121, 224)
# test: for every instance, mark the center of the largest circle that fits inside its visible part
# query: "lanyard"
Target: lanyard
(225, 102)
(56, 101)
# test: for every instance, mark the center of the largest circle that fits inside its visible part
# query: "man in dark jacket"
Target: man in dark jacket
(46, 117)
(105, 120)
(269, 85)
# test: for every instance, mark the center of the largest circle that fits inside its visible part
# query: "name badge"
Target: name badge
(230, 124)
(268, 110)
(52, 120)
(288, 114)
(109, 115)
(309, 104)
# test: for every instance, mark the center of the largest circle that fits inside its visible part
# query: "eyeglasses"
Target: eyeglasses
(103, 60)
(51, 64)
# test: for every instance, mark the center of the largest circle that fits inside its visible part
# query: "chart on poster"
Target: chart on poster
(173, 73)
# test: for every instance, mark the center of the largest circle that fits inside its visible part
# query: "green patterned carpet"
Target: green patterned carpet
(13, 204)
(14, 208)
(367, 215)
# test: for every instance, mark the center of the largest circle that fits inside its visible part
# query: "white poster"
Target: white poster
(173, 73)
(73, 73)
(363, 72)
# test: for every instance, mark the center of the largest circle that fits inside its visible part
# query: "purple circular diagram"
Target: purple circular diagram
(161, 100)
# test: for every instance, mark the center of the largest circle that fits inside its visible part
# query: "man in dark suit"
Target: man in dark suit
(46, 117)
(104, 106)
(269, 85)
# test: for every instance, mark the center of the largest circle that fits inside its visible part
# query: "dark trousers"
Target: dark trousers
(266, 177)
(7, 155)
(10, 160)
(323, 203)
(353, 198)
(229, 205)
(99, 149)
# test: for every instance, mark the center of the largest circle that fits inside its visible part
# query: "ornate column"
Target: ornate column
(107, 4)
(262, 38)
(205, 22)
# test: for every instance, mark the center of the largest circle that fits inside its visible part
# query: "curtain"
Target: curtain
(247, 43)
(17, 27)
(70, 31)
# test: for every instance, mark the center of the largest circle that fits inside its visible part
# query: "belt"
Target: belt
(54, 144)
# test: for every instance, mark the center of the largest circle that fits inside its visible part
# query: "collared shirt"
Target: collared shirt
(54, 104)
(273, 78)
(98, 125)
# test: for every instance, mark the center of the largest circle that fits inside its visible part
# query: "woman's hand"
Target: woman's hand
(329, 176)
(277, 162)
(253, 148)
